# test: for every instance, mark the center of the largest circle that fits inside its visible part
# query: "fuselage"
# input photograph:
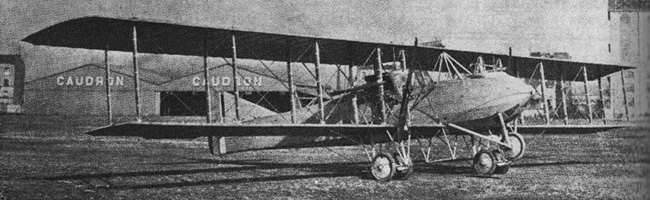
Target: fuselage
(472, 101)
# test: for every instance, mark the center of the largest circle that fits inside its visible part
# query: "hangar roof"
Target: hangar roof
(169, 38)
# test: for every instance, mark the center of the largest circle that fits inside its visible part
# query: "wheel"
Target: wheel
(485, 162)
(404, 170)
(518, 146)
(383, 167)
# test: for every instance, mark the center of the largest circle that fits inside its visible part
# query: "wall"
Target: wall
(630, 44)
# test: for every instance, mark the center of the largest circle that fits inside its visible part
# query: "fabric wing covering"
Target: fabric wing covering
(155, 37)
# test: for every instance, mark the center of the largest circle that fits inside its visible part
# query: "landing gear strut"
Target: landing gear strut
(497, 160)
(404, 167)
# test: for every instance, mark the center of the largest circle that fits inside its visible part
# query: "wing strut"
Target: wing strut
(321, 109)
(206, 73)
(292, 86)
(406, 95)
(379, 70)
(547, 118)
(109, 109)
(563, 91)
(589, 111)
(234, 78)
(136, 75)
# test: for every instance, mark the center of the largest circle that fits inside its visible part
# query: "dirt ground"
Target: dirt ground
(42, 162)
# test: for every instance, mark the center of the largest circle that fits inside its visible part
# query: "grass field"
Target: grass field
(40, 161)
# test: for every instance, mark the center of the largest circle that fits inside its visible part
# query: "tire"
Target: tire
(518, 147)
(383, 167)
(485, 162)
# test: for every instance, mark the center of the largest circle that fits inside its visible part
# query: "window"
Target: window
(629, 88)
(630, 101)
(625, 18)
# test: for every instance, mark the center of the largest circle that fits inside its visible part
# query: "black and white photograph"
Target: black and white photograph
(324, 99)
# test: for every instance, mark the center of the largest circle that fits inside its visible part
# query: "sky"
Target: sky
(579, 27)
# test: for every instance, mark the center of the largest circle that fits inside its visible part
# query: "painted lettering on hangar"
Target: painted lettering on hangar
(225, 81)
(88, 81)
(119, 81)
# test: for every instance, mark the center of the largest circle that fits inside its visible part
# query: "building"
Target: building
(6, 86)
(629, 25)
(11, 83)
(170, 85)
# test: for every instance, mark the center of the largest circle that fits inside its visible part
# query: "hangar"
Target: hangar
(170, 85)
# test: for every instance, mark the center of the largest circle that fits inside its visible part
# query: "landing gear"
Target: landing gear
(518, 144)
(488, 162)
(386, 167)
(485, 162)
(503, 165)
(383, 167)
(404, 167)
(497, 160)
(496, 152)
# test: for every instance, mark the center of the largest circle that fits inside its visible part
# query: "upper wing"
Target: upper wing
(168, 38)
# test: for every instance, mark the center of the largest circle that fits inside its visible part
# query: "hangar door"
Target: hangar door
(183, 103)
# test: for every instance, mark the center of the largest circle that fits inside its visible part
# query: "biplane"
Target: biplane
(414, 92)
